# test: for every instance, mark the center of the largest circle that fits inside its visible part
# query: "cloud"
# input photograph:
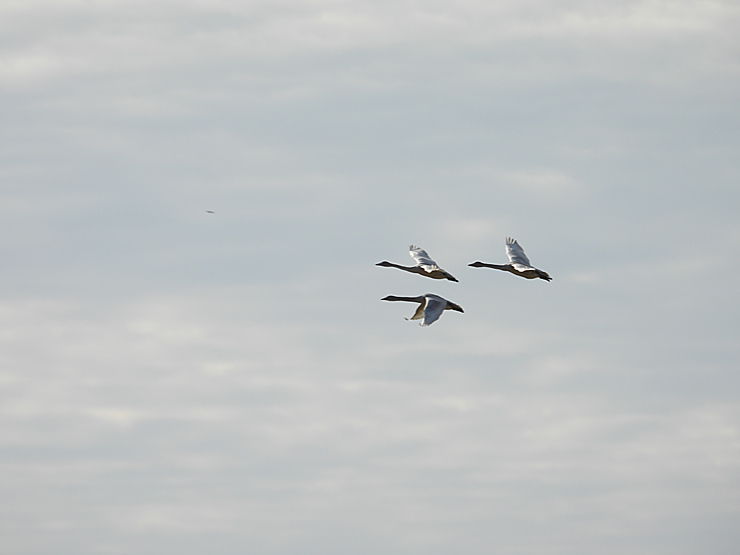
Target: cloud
(173, 381)
(628, 40)
(315, 436)
(543, 183)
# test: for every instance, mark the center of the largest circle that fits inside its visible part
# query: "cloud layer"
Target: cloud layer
(175, 380)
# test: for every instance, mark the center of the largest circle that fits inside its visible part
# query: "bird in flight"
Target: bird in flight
(425, 266)
(210, 211)
(518, 265)
(430, 307)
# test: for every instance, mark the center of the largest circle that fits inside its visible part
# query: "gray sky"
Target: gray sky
(173, 381)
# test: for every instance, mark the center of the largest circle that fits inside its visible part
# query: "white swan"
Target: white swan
(425, 266)
(430, 307)
(519, 264)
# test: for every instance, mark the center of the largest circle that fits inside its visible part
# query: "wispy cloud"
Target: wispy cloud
(177, 381)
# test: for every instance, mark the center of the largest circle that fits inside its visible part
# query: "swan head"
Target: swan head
(384, 263)
(476, 264)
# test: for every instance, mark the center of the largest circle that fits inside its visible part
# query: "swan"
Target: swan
(430, 307)
(425, 266)
(518, 263)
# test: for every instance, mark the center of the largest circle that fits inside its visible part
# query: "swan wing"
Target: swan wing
(515, 252)
(419, 314)
(422, 259)
(433, 309)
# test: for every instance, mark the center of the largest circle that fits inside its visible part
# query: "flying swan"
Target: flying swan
(425, 266)
(519, 264)
(430, 307)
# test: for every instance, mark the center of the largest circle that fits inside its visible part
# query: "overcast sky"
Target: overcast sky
(174, 381)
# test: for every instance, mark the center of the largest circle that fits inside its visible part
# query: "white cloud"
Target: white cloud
(624, 40)
(174, 381)
(543, 183)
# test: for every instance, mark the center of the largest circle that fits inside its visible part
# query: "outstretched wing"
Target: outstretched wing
(422, 259)
(516, 253)
(419, 314)
(433, 309)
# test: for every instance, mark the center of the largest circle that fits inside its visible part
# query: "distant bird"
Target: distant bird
(430, 307)
(425, 266)
(210, 211)
(518, 263)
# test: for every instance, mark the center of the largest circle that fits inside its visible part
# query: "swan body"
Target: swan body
(425, 266)
(430, 307)
(518, 265)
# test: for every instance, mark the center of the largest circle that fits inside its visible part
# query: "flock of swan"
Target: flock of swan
(432, 306)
